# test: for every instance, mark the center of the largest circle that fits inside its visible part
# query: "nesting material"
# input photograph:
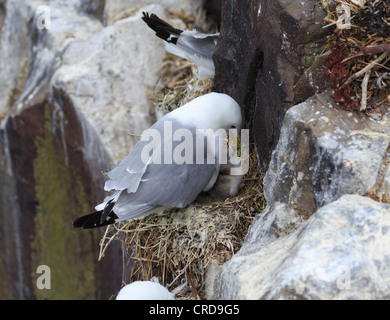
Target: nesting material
(359, 61)
(178, 85)
(177, 246)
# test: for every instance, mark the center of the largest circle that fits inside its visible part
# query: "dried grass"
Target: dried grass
(177, 246)
(178, 84)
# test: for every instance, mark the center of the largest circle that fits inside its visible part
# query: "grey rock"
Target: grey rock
(341, 252)
(13, 53)
(284, 38)
(108, 77)
(69, 95)
(324, 152)
(321, 236)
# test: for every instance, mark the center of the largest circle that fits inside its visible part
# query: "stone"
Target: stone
(13, 53)
(325, 152)
(321, 236)
(47, 181)
(45, 47)
(264, 48)
(47, 178)
(341, 252)
(55, 139)
(109, 85)
(74, 90)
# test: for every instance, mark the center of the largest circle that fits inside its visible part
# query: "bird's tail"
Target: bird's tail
(97, 219)
(163, 29)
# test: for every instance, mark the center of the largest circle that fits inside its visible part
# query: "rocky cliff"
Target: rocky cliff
(324, 232)
(74, 83)
(74, 89)
(322, 235)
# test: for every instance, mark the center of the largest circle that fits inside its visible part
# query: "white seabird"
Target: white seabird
(191, 45)
(144, 290)
(142, 186)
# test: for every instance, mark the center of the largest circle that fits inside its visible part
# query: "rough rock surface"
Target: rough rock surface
(69, 97)
(13, 56)
(341, 252)
(321, 235)
(264, 49)
(325, 152)
(108, 77)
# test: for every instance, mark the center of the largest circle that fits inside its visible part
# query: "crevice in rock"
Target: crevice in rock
(250, 100)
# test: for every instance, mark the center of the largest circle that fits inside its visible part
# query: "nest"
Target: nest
(177, 246)
(178, 85)
(359, 61)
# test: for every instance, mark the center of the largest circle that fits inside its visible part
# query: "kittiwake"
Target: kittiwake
(144, 290)
(192, 45)
(155, 175)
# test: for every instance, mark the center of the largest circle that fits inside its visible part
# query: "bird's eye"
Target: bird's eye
(233, 127)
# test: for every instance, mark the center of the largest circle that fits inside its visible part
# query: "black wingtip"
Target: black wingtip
(93, 220)
(163, 29)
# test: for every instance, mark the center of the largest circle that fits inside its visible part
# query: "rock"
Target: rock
(325, 152)
(49, 168)
(386, 182)
(46, 46)
(72, 93)
(109, 85)
(94, 8)
(341, 252)
(312, 80)
(264, 49)
(321, 236)
(48, 180)
(13, 53)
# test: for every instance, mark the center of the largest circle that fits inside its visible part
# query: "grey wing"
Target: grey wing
(141, 187)
(198, 43)
(189, 44)
(128, 174)
(198, 48)
(165, 185)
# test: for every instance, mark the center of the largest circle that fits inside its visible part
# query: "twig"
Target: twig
(192, 286)
(104, 244)
(363, 104)
(359, 54)
(134, 135)
(144, 259)
(365, 69)
(384, 100)
(376, 49)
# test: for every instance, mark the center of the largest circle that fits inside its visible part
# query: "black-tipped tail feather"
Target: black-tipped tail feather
(163, 29)
(94, 220)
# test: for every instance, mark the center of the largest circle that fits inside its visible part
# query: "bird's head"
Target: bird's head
(212, 111)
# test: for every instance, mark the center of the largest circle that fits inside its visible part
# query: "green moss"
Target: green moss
(4, 286)
(57, 244)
